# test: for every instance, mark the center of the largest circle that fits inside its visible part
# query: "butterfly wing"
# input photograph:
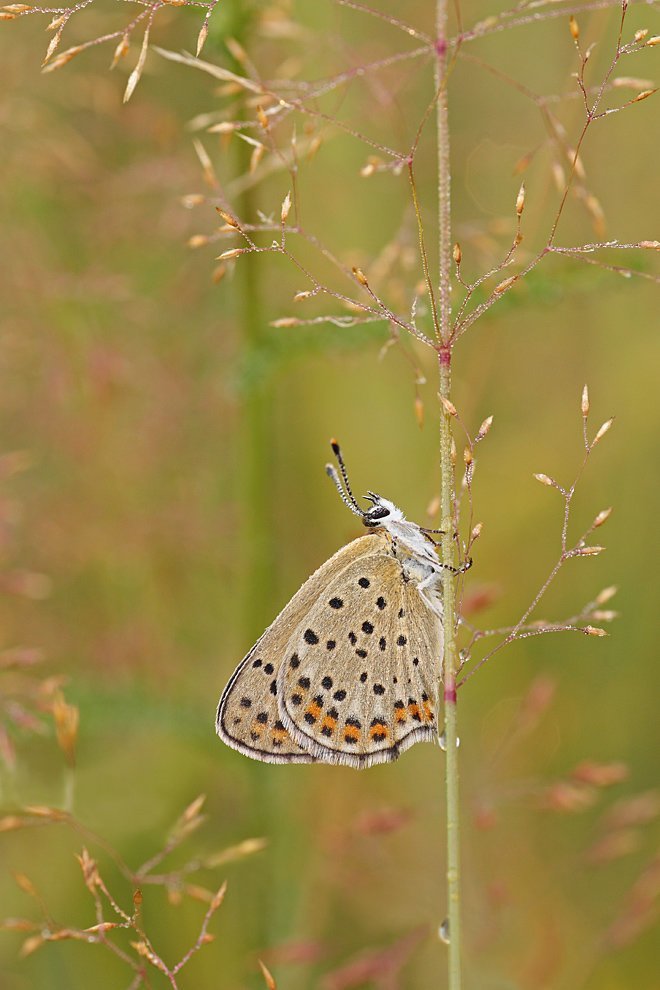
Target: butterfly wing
(248, 718)
(359, 683)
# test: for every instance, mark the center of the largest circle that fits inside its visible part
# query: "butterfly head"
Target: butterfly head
(381, 512)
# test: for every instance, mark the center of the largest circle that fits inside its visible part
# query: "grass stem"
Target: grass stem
(450, 657)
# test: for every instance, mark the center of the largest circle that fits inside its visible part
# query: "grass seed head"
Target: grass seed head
(286, 208)
(120, 51)
(67, 720)
(232, 253)
(602, 431)
(600, 774)
(268, 977)
(644, 95)
(604, 615)
(545, 480)
(419, 411)
(602, 517)
(262, 118)
(506, 284)
(585, 401)
(61, 59)
(201, 38)
(448, 406)
(484, 429)
(606, 594)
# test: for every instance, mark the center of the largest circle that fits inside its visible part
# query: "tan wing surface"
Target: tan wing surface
(359, 684)
(248, 718)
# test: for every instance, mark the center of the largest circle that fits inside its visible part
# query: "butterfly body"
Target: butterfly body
(349, 671)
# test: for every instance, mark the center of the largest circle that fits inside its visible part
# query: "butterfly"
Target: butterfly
(348, 673)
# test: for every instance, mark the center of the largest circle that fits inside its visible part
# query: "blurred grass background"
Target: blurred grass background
(177, 498)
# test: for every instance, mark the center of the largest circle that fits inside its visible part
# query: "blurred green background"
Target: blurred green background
(176, 498)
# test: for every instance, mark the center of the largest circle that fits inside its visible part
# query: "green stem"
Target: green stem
(449, 672)
(450, 656)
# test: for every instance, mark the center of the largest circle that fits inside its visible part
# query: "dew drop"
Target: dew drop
(443, 931)
(442, 740)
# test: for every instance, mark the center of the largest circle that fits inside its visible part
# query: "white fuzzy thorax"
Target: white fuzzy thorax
(415, 551)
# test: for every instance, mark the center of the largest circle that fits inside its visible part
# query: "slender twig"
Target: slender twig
(523, 630)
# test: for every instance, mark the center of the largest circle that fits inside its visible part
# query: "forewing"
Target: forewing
(248, 718)
(360, 680)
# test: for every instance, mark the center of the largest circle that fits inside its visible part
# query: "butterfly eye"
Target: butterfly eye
(373, 516)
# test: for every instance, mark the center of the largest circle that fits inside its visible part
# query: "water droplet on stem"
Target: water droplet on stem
(442, 739)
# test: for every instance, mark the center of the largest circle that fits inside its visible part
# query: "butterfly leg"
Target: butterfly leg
(457, 570)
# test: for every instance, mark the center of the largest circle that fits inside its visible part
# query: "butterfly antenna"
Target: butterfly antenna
(347, 497)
